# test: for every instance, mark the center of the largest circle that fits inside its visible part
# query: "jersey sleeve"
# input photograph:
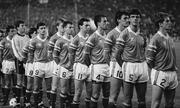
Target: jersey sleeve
(32, 47)
(25, 50)
(90, 43)
(72, 49)
(120, 43)
(51, 45)
(1, 50)
(108, 44)
(151, 51)
(57, 50)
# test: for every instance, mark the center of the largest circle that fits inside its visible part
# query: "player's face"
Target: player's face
(135, 20)
(167, 23)
(21, 28)
(104, 23)
(60, 28)
(42, 30)
(85, 27)
(69, 29)
(34, 34)
(11, 32)
(124, 20)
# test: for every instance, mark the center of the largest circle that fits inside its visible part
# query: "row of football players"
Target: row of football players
(101, 61)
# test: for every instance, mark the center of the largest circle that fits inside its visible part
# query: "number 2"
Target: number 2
(162, 83)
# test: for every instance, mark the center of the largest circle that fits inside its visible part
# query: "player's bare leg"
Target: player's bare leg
(156, 96)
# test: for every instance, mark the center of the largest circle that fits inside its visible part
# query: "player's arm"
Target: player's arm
(108, 44)
(51, 47)
(151, 52)
(32, 47)
(16, 48)
(72, 51)
(89, 45)
(25, 52)
(1, 52)
(119, 46)
(57, 50)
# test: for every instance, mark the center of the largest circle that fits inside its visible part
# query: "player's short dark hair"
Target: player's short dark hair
(9, 27)
(59, 21)
(1, 31)
(40, 24)
(160, 17)
(135, 11)
(66, 23)
(17, 23)
(97, 19)
(119, 14)
(31, 31)
(81, 21)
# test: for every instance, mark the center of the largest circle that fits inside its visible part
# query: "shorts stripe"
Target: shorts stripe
(156, 77)
(113, 68)
(92, 70)
(124, 69)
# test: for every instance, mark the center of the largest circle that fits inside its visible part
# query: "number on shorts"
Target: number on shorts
(98, 77)
(119, 74)
(162, 83)
(79, 76)
(130, 77)
(31, 72)
(36, 72)
(64, 74)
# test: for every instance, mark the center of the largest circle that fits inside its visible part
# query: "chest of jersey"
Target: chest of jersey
(8, 45)
(135, 40)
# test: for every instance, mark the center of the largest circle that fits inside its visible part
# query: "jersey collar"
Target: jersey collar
(162, 35)
(58, 34)
(81, 36)
(130, 30)
(117, 29)
(100, 34)
(41, 39)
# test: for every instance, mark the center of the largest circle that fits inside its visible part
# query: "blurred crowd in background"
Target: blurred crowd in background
(48, 11)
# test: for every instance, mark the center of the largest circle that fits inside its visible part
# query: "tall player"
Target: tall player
(18, 42)
(131, 46)
(161, 58)
(7, 59)
(61, 57)
(55, 79)
(94, 50)
(81, 72)
(38, 49)
(122, 21)
(29, 67)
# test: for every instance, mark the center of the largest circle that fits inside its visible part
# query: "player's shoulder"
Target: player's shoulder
(35, 39)
(4, 40)
(53, 37)
(156, 37)
(112, 32)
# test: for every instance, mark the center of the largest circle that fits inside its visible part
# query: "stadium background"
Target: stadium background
(33, 11)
